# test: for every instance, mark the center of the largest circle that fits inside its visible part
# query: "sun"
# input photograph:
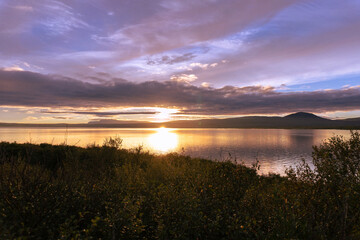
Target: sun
(164, 114)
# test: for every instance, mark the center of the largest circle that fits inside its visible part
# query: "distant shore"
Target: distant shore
(158, 125)
(299, 120)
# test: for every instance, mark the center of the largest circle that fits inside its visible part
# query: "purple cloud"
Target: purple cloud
(36, 90)
(226, 44)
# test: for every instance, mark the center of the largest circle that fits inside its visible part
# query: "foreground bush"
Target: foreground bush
(66, 192)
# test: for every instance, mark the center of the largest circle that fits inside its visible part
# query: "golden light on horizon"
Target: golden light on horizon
(164, 114)
(163, 140)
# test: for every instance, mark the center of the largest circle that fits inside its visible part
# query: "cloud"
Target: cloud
(203, 66)
(170, 60)
(102, 114)
(276, 42)
(185, 22)
(24, 8)
(197, 66)
(55, 17)
(205, 84)
(184, 78)
(292, 48)
(36, 90)
(266, 42)
(31, 118)
(13, 68)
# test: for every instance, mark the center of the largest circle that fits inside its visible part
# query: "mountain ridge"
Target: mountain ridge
(301, 120)
(303, 115)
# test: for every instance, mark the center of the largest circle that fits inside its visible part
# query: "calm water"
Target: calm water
(275, 149)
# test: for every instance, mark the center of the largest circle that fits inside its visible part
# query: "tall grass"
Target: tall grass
(66, 192)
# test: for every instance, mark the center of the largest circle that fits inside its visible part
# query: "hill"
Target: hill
(303, 115)
(295, 120)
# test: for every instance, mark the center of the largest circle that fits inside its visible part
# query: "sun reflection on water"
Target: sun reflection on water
(163, 140)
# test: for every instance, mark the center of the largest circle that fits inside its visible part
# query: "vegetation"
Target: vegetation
(67, 192)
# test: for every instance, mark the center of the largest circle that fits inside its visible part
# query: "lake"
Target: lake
(275, 149)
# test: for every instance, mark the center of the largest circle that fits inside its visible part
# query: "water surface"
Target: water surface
(275, 149)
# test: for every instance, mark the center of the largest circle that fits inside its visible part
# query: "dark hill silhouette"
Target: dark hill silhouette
(295, 120)
(352, 119)
(303, 115)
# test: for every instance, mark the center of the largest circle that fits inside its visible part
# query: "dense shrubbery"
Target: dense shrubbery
(66, 192)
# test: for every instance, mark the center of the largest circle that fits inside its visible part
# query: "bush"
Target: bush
(331, 191)
(65, 192)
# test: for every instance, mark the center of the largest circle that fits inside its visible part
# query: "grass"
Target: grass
(67, 192)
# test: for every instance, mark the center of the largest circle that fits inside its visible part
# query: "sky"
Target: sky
(75, 61)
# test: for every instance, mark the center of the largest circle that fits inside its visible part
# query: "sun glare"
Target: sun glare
(163, 140)
(164, 114)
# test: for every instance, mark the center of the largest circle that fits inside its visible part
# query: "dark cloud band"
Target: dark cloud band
(104, 114)
(37, 90)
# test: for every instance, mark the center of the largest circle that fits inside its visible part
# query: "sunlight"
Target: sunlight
(164, 114)
(163, 140)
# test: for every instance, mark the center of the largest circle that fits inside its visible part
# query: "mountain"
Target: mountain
(295, 120)
(303, 115)
(352, 119)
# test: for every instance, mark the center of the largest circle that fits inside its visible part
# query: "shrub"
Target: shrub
(330, 191)
(65, 192)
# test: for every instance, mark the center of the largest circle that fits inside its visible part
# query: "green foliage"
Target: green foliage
(66, 192)
(332, 189)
